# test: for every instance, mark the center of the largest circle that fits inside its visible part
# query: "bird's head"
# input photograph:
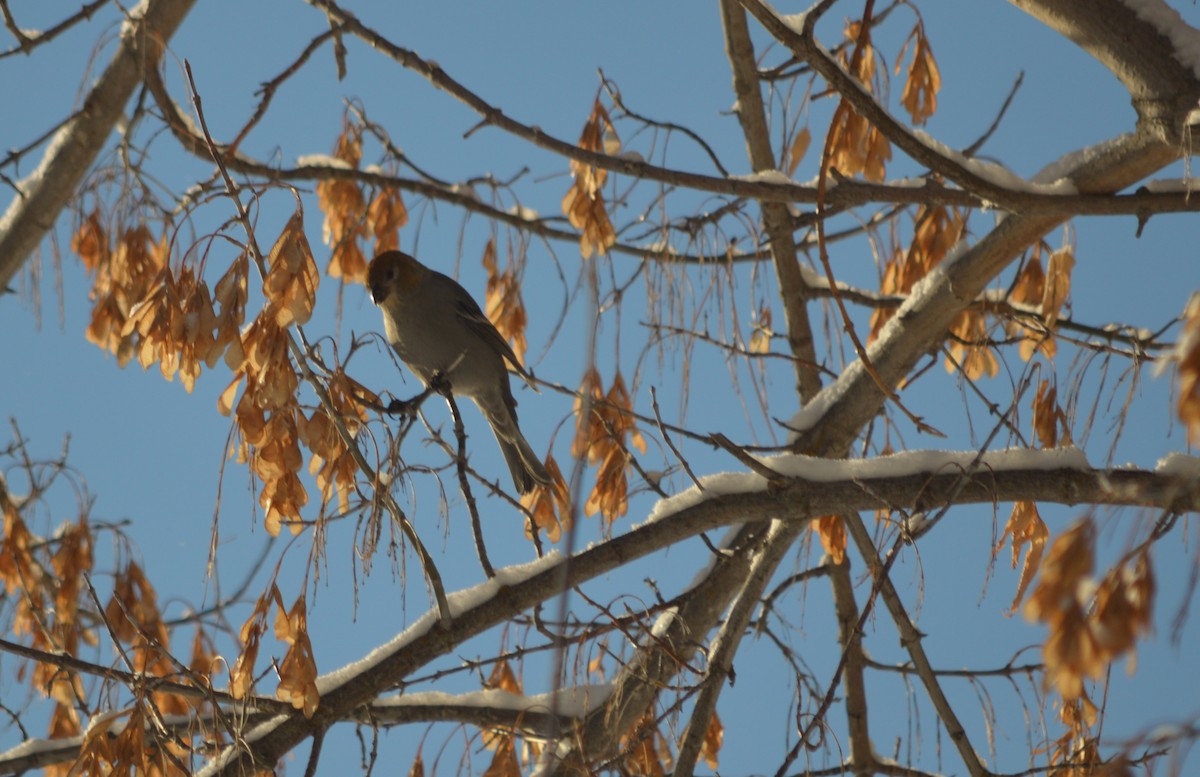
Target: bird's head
(392, 273)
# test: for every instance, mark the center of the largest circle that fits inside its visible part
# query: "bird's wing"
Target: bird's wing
(470, 311)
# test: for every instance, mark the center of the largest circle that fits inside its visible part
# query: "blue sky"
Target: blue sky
(149, 454)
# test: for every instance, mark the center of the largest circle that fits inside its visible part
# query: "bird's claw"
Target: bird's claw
(438, 383)
(402, 407)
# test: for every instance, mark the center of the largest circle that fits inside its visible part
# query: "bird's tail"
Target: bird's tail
(526, 468)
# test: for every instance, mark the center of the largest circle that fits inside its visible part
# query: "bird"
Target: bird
(441, 334)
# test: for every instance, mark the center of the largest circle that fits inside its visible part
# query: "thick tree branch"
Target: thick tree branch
(1046, 476)
(1162, 88)
(793, 291)
(42, 195)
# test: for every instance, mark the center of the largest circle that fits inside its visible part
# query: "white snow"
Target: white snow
(765, 176)
(322, 160)
(993, 173)
(1073, 160)
(526, 214)
(571, 702)
(129, 25)
(229, 752)
(1178, 465)
(1173, 185)
(906, 183)
(35, 746)
(898, 465)
(807, 416)
(1185, 39)
(34, 179)
(795, 21)
(465, 190)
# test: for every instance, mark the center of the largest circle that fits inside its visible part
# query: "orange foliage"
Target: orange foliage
(1087, 636)
(924, 80)
(298, 670)
(549, 506)
(760, 341)
(241, 676)
(970, 350)
(503, 303)
(345, 209)
(935, 231)
(858, 146)
(1049, 418)
(1188, 353)
(601, 436)
(832, 532)
(1026, 528)
(584, 203)
(385, 216)
(646, 751)
(332, 462)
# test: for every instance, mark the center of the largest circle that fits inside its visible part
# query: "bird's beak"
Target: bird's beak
(378, 293)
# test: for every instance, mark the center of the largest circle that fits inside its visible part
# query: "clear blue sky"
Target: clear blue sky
(149, 454)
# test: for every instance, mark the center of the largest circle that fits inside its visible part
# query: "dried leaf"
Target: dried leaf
(504, 761)
(583, 204)
(503, 303)
(504, 679)
(346, 213)
(832, 532)
(549, 505)
(936, 229)
(1026, 528)
(1058, 284)
(971, 349)
(418, 766)
(1049, 418)
(90, 242)
(714, 737)
(298, 670)
(924, 81)
(385, 216)
(760, 341)
(798, 149)
(292, 277)
(1187, 352)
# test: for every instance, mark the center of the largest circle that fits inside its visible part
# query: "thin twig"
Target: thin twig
(427, 566)
(460, 436)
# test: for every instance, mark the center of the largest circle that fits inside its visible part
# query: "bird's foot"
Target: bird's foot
(438, 383)
(403, 406)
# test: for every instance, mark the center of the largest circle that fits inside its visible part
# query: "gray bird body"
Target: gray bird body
(436, 328)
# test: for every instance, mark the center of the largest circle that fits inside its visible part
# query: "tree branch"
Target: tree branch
(42, 195)
(1046, 476)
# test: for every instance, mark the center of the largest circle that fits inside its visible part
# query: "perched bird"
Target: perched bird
(440, 332)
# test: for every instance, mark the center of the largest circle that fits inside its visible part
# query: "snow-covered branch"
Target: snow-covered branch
(68, 157)
(805, 487)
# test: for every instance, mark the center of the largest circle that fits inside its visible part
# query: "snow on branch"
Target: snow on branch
(69, 155)
(805, 488)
